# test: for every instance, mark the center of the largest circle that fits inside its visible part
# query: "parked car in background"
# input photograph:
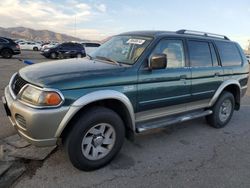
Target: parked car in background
(90, 46)
(248, 58)
(8, 47)
(20, 40)
(49, 45)
(65, 50)
(30, 46)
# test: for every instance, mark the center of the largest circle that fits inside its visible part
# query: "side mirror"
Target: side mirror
(157, 61)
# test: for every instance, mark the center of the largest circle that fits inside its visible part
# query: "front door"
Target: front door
(165, 87)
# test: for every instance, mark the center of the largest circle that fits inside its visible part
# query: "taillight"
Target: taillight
(17, 46)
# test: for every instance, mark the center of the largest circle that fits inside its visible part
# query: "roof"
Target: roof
(182, 33)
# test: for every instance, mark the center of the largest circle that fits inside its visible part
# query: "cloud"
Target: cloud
(101, 7)
(51, 15)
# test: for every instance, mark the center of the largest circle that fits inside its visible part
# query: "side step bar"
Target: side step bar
(166, 121)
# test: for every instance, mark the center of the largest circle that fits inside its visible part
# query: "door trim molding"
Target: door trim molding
(170, 110)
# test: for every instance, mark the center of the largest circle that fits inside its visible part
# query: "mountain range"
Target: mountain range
(32, 34)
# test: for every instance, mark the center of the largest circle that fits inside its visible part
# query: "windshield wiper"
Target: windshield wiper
(108, 59)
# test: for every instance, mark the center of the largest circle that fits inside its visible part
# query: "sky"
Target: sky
(98, 19)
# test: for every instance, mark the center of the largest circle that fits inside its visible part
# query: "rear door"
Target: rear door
(207, 73)
(63, 48)
(3, 43)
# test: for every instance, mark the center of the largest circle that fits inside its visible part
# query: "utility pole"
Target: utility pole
(75, 25)
(248, 49)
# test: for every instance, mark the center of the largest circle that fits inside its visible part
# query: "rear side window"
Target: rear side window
(214, 56)
(79, 46)
(199, 53)
(3, 40)
(229, 54)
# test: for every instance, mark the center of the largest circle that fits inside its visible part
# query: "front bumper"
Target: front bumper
(45, 53)
(37, 126)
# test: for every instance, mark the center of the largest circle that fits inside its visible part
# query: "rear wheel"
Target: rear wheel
(79, 55)
(222, 110)
(95, 139)
(35, 49)
(6, 53)
(53, 55)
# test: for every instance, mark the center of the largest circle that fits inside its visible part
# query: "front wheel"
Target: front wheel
(53, 55)
(78, 55)
(222, 110)
(35, 49)
(95, 139)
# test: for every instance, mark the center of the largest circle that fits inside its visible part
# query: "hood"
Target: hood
(70, 73)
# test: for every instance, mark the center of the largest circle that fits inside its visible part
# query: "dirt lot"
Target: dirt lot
(191, 154)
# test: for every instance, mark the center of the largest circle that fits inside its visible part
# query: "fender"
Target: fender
(93, 97)
(221, 88)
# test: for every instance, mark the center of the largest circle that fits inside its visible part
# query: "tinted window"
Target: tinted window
(72, 45)
(78, 46)
(214, 56)
(92, 45)
(174, 51)
(64, 45)
(229, 54)
(199, 54)
(3, 40)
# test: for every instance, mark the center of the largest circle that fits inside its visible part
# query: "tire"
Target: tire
(35, 49)
(53, 55)
(95, 139)
(61, 56)
(222, 110)
(6, 53)
(78, 55)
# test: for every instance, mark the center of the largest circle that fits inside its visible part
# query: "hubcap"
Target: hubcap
(53, 55)
(225, 110)
(98, 141)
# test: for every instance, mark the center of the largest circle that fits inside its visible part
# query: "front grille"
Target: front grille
(17, 84)
(20, 120)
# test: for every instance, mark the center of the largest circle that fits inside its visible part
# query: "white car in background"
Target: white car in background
(30, 46)
(90, 46)
(48, 46)
(248, 58)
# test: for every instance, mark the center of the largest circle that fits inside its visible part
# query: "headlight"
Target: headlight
(41, 98)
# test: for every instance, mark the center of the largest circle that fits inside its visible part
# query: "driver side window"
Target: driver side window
(174, 51)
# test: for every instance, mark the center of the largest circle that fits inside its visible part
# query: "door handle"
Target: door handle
(217, 74)
(183, 77)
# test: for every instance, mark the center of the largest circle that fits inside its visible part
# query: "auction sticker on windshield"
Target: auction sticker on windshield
(135, 41)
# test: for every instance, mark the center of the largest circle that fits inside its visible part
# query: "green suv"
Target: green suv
(135, 82)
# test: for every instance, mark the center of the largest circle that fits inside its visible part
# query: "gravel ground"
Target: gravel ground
(190, 154)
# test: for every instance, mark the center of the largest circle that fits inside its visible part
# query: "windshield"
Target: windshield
(122, 49)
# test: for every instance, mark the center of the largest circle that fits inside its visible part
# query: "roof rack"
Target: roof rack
(191, 32)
